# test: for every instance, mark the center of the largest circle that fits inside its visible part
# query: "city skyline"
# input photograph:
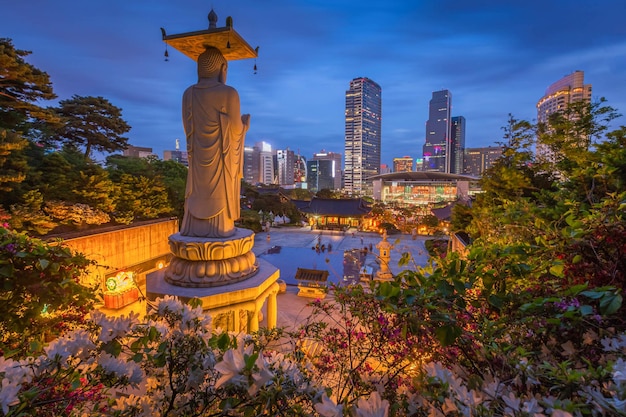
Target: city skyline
(495, 58)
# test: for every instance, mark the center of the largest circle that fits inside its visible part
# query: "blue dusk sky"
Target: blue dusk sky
(496, 57)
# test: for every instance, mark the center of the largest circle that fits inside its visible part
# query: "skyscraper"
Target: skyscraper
(438, 133)
(478, 160)
(404, 164)
(258, 165)
(557, 97)
(362, 135)
(285, 164)
(457, 145)
(335, 167)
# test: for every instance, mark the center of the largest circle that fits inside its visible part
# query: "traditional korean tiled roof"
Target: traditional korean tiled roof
(443, 213)
(345, 207)
(316, 275)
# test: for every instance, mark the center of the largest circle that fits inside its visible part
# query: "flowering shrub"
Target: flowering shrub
(75, 214)
(40, 291)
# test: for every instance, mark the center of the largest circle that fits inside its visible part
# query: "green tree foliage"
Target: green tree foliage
(40, 291)
(21, 86)
(141, 198)
(327, 193)
(30, 215)
(12, 166)
(93, 123)
(170, 175)
(174, 177)
(278, 205)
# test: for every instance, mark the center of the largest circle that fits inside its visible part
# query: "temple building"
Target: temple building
(335, 214)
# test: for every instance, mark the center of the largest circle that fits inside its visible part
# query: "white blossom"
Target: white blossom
(232, 364)
(8, 395)
(119, 367)
(512, 403)
(76, 343)
(532, 407)
(374, 406)
(328, 408)
(560, 413)
(610, 344)
(262, 377)
(112, 327)
(619, 371)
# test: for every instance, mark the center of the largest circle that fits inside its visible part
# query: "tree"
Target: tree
(21, 86)
(141, 198)
(328, 193)
(12, 166)
(92, 122)
(174, 177)
(171, 175)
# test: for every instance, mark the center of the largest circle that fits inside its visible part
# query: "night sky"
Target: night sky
(496, 58)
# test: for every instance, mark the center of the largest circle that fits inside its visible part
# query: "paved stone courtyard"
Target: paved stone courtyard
(292, 309)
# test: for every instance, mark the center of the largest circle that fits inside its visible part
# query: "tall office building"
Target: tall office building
(362, 135)
(457, 145)
(285, 164)
(258, 164)
(335, 167)
(404, 164)
(478, 160)
(438, 133)
(557, 97)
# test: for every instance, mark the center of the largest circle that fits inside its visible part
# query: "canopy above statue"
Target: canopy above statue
(226, 39)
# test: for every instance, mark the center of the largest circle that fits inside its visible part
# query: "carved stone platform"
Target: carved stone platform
(211, 262)
(236, 307)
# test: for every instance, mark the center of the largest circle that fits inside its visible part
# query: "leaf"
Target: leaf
(495, 301)
(447, 334)
(42, 264)
(586, 310)
(557, 270)
(610, 303)
(223, 341)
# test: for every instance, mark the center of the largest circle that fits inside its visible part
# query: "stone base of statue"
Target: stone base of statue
(235, 307)
(211, 262)
(383, 276)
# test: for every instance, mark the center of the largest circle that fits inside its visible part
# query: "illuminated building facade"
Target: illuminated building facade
(478, 160)
(457, 145)
(362, 135)
(258, 164)
(324, 171)
(403, 164)
(438, 133)
(422, 188)
(557, 97)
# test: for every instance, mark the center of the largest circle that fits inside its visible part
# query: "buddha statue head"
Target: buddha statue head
(211, 63)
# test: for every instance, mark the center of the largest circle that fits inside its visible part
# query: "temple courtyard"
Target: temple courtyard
(291, 248)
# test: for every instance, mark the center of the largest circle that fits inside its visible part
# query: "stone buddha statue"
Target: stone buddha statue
(215, 132)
